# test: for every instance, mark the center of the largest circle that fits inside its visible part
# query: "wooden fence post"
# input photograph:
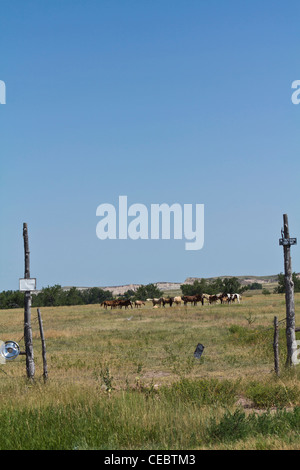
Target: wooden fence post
(30, 368)
(289, 293)
(275, 346)
(45, 369)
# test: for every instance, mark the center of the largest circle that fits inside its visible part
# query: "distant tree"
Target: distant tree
(280, 289)
(265, 291)
(228, 285)
(52, 296)
(232, 285)
(95, 295)
(129, 294)
(11, 299)
(197, 288)
(254, 286)
(150, 291)
(73, 297)
(216, 287)
(49, 297)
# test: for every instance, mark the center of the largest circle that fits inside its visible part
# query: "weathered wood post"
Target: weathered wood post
(286, 241)
(275, 346)
(45, 369)
(30, 368)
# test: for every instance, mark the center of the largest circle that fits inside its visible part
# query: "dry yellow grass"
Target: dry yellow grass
(156, 343)
(92, 351)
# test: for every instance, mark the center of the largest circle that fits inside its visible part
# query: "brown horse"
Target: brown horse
(124, 303)
(157, 301)
(213, 298)
(169, 301)
(193, 299)
(109, 303)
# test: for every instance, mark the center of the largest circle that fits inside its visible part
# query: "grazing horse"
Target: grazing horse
(189, 298)
(177, 300)
(124, 303)
(199, 298)
(194, 299)
(225, 298)
(206, 297)
(157, 301)
(109, 303)
(237, 297)
(139, 303)
(213, 298)
(169, 301)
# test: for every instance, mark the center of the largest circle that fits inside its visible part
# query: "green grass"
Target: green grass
(128, 379)
(237, 426)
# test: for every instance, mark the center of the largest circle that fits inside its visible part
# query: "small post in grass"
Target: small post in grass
(45, 369)
(275, 346)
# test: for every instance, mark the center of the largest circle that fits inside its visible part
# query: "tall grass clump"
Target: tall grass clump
(266, 395)
(235, 426)
(201, 392)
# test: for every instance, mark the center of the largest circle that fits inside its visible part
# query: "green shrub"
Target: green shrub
(237, 426)
(231, 427)
(201, 392)
(243, 336)
(269, 395)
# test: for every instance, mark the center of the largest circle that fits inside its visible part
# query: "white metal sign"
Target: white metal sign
(27, 284)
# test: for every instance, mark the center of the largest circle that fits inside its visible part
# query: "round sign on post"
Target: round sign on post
(9, 351)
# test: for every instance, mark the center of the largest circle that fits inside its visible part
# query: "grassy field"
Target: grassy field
(128, 379)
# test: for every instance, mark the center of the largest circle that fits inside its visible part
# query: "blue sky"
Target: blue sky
(162, 101)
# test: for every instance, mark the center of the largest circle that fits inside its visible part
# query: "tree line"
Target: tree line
(54, 296)
(229, 285)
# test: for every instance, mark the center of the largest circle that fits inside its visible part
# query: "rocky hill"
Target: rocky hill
(172, 286)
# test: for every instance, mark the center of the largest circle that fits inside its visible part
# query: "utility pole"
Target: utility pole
(30, 368)
(286, 242)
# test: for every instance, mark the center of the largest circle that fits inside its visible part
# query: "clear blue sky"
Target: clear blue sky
(163, 101)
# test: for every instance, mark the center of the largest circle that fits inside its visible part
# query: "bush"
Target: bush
(268, 395)
(244, 336)
(265, 292)
(231, 427)
(237, 426)
(201, 392)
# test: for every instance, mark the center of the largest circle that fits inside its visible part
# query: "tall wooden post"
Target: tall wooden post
(286, 241)
(30, 368)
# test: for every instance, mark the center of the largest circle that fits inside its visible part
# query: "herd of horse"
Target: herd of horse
(163, 301)
(194, 299)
